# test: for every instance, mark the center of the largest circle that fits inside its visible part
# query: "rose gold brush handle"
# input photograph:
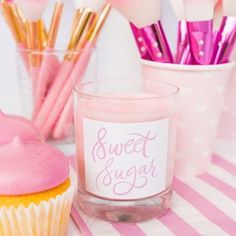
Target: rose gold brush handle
(13, 21)
(34, 45)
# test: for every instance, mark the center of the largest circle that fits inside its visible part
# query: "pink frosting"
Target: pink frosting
(12, 126)
(31, 167)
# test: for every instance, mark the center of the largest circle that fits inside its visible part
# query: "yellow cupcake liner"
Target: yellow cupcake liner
(48, 218)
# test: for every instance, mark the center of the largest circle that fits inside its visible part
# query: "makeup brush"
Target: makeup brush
(226, 37)
(65, 100)
(141, 44)
(33, 11)
(19, 20)
(145, 15)
(199, 16)
(49, 60)
(183, 55)
(8, 10)
(44, 119)
(15, 24)
(83, 9)
(66, 116)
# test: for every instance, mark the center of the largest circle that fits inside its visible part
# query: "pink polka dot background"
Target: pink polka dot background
(227, 128)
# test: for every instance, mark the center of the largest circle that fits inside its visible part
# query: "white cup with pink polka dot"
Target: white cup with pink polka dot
(227, 129)
(200, 103)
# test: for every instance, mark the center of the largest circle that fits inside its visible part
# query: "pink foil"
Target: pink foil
(140, 42)
(201, 40)
(157, 43)
(183, 55)
(225, 40)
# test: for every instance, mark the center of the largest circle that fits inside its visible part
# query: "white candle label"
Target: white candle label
(125, 160)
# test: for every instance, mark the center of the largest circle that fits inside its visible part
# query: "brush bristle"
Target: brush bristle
(141, 13)
(94, 5)
(178, 7)
(79, 3)
(32, 9)
(218, 14)
(199, 10)
(229, 7)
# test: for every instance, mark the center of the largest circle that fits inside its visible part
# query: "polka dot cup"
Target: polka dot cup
(201, 99)
(227, 128)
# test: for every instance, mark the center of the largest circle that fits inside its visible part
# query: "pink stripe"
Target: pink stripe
(209, 210)
(220, 185)
(177, 225)
(229, 167)
(128, 229)
(80, 223)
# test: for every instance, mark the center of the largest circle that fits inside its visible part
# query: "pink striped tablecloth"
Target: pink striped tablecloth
(203, 205)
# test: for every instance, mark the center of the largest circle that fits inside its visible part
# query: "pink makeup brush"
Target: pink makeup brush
(183, 55)
(226, 37)
(199, 16)
(45, 118)
(49, 60)
(66, 116)
(145, 15)
(141, 44)
(33, 11)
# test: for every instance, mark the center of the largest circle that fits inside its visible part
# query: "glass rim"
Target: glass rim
(78, 90)
(52, 51)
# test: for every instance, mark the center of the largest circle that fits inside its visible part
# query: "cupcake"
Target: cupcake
(12, 126)
(36, 189)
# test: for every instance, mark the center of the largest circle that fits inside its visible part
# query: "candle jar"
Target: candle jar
(202, 94)
(125, 139)
(46, 81)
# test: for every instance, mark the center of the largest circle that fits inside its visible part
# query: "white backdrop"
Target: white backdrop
(117, 53)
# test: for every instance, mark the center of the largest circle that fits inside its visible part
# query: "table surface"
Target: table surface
(210, 213)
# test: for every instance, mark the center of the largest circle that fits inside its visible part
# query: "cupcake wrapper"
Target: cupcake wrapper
(49, 218)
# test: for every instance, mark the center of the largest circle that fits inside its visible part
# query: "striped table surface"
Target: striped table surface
(203, 205)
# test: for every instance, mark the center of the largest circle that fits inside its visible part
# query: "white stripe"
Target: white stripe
(216, 197)
(194, 218)
(230, 158)
(225, 176)
(98, 227)
(73, 229)
(154, 227)
(226, 149)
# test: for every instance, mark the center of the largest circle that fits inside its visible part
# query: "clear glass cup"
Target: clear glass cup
(125, 138)
(46, 81)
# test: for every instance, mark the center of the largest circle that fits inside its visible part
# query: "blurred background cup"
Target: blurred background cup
(46, 81)
(201, 99)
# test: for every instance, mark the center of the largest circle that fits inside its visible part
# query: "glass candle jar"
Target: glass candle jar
(125, 139)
